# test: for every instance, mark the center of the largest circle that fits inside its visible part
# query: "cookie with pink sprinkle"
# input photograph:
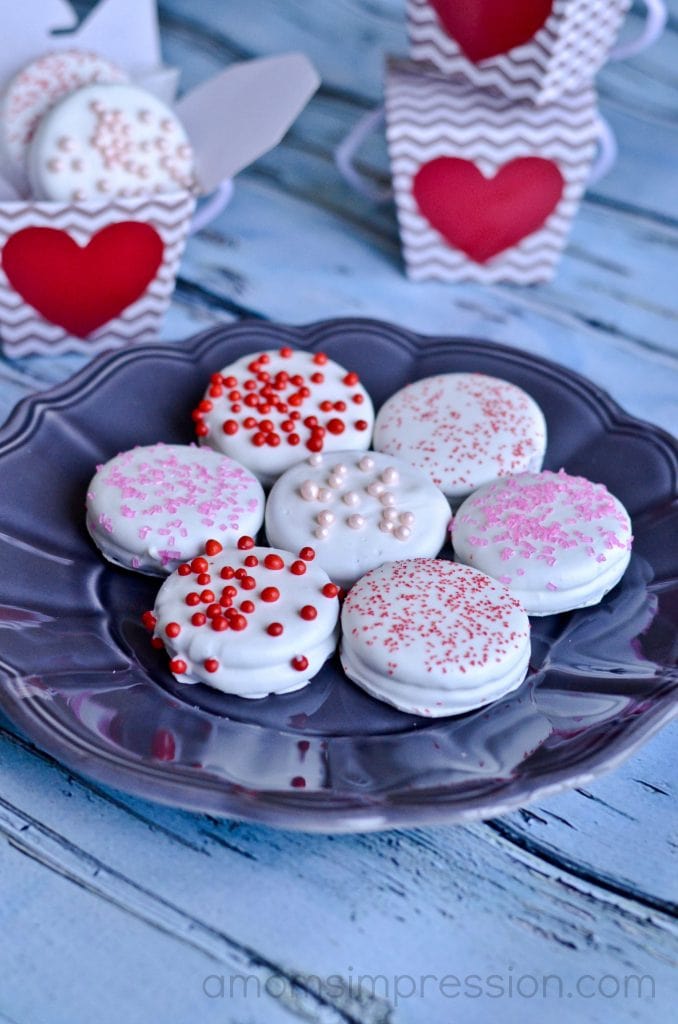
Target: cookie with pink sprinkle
(249, 621)
(153, 507)
(433, 637)
(463, 430)
(558, 542)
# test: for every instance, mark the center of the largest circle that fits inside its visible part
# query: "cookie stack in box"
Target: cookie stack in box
(492, 129)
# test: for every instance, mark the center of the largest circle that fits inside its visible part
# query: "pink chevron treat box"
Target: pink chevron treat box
(100, 170)
(486, 188)
(525, 49)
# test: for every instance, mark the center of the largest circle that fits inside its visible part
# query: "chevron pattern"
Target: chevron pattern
(429, 117)
(24, 332)
(564, 54)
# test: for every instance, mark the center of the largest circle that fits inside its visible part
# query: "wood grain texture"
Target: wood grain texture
(118, 909)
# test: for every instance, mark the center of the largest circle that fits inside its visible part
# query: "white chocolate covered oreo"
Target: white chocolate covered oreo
(558, 542)
(434, 638)
(463, 430)
(109, 140)
(250, 621)
(270, 410)
(153, 507)
(36, 89)
(358, 510)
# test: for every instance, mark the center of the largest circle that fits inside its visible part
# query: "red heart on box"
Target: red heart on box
(484, 28)
(78, 287)
(484, 216)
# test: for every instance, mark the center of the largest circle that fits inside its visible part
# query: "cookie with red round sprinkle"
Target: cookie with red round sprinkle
(270, 409)
(463, 430)
(155, 508)
(269, 629)
(558, 542)
(434, 638)
(358, 509)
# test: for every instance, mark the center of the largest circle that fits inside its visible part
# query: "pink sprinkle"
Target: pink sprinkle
(505, 580)
(551, 586)
(506, 554)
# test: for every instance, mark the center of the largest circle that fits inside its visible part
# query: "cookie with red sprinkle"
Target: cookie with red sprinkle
(463, 430)
(262, 626)
(270, 409)
(153, 508)
(434, 638)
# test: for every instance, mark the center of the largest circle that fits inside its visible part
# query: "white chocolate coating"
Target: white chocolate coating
(363, 532)
(109, 140)
(37, 88)
(250, 662)
(151, 508)
(558, 542)
(434, 638)
(270, 410)
(463, 430)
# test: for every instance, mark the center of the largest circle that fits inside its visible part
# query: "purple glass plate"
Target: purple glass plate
(78, 675)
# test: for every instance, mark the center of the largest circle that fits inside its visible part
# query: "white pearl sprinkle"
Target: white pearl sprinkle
(356, 522)
(387, 498)
(366, 464)
(325, 494)
(315, 460)
(375, 488)
(325, 518)
(385, 526)
(351, 498)
(321, 532)
(402, 532)
(407, 518)
(390, 475)
(390, 515)
(335, 481)
(340, 469)
(309, 490)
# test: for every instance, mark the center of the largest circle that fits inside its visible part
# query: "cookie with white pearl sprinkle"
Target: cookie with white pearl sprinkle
(250, 621)
(109, 140)
(358, 510)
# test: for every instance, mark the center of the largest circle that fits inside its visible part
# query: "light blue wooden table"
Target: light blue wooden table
(118, 911)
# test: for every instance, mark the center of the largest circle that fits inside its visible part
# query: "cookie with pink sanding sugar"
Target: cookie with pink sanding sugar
(433, 637)
(558, 542)
(153, 507)
(249, 621)
(463, 430)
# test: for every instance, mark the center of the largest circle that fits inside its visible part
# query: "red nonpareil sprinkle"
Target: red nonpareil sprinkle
(251, 401)
(274, 562)
(216, 378)
(311, 421)
(156, 642)
(203, 579)
(340, 406)
(275, 629)
(264, 358)
(287, 426)
(326, 406)
(196, 415)
(259, 439)
(225, 601)
(273, 440)
(199, 619)
(205, 406)
(240, 573)
(308, 613)
(216, 391)
(351, 379)
(227, 573)
(149, 620)
(192, 599)
(249, 423)
(247, 607)
(178, 666)
(201, 429)
(320, 358)
(293, 439)
(238, 622)
(207, 597)
(251, 561)
(270, 594)
(213, 611)
(286, 352)
(298, 568)
(298, 782)
(219, 624)
(230, 427)
(314, 444)
(172, 629)
(330, 590)
(211, 664)
(248, 583)
(361, 424)
(317, 378)
(245, 543)
(229, 382)
(300, 663)
(308, 554)
(336, 426)
(229, 592)
(358, 399)
(199, 565)
(266, 426)
(184, 569)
